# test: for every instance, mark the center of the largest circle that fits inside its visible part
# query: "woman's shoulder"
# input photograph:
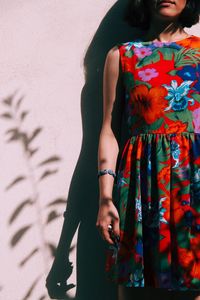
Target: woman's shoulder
(113, 52)
(119, 48)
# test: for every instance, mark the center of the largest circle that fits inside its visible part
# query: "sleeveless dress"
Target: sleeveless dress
(157, 190)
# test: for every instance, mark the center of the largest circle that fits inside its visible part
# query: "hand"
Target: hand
(108, 215)
(56, 281)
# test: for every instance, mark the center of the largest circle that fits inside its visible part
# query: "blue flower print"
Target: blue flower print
(128, 45)
(175, 153)
(139, 247)
(149, 160)
(120, 179)
(136, 279)
(153, 215)
(177, 95)
(195, 186)
(138, 44)
(162, 210)
(138, 209)
(190, 73)
(189, 218)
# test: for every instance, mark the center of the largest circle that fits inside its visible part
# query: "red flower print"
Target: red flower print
(149, 104)
(193, 42)
(195, 245)
(164, 243)
(176, 127)
(186, 257)
(178, 209)
(127, 246)
(139, 150)
(164, 174)
(127, 155)
(195, 271)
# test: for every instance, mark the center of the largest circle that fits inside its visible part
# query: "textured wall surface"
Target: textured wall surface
(51, 59)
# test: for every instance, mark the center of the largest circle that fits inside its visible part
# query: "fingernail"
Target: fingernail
(118, 237)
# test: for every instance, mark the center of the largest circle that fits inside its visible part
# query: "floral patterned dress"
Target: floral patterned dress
(157, 191)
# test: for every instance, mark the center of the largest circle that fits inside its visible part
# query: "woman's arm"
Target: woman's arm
(109, 143)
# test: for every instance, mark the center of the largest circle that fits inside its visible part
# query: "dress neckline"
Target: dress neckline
(160, 42)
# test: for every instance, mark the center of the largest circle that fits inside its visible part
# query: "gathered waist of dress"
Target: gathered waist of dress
(164, 133)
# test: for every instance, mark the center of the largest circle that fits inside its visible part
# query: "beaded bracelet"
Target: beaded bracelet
(106, 171)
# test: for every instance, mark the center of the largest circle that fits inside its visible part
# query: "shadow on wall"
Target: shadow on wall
(82, 203)
(34, 174)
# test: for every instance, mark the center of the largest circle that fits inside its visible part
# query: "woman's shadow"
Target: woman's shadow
(82, 203)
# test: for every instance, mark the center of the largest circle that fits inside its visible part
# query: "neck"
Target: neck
(165, 30)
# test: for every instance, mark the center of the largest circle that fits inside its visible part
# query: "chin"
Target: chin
(166, 16)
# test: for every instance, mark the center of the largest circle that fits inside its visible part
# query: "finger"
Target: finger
(106, 235)
(115, 226)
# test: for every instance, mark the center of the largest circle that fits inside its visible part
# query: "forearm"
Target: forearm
(107, 157)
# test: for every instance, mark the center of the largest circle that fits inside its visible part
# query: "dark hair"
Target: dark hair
(137, 14)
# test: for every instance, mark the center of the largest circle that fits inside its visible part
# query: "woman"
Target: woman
(151, 221)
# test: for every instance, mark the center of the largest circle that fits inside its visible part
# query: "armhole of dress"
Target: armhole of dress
(121, 60)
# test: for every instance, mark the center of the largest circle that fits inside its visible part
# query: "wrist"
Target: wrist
(105, 200)
(106, 171)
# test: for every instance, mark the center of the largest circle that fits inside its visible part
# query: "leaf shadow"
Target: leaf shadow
(14, 113)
